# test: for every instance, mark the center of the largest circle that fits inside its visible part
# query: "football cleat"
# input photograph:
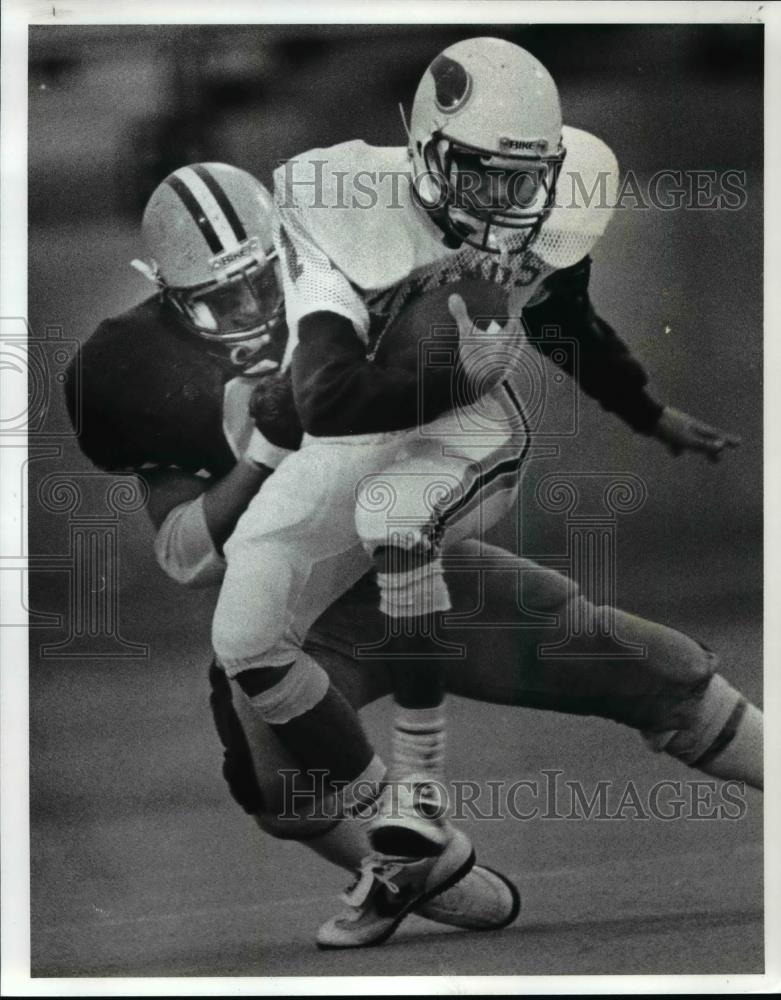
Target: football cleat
(484, 900)
(389, 888)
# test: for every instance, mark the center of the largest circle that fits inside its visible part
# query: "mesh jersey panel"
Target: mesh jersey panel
(310, 280)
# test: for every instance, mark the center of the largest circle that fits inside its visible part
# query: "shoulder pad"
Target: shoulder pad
(354, 202)
(585, 198)
(150, 394)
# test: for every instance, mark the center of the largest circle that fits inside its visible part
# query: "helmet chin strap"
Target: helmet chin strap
(261, 368)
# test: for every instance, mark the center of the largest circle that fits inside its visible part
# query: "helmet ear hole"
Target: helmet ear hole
(241, 354)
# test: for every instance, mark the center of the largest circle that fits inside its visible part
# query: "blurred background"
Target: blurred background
(122, 749)
(114, 109)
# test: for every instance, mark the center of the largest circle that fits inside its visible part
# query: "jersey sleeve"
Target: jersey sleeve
(311, 281)
(338, 391)
(184, 548)
(603, 365)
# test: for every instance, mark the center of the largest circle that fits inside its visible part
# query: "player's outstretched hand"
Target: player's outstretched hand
(486, 355)
(680, 433)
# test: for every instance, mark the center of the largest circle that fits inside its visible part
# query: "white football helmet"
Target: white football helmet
(485, 144)
(208, 230)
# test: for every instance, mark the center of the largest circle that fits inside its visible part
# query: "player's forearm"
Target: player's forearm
(338, 391)
(608, 372)
(227, 499)
(602, 363)
(194, 520)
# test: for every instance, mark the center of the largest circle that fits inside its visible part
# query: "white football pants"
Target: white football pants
(315, 526)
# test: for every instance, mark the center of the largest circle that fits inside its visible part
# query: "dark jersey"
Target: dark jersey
(603, 365)
(151, 395)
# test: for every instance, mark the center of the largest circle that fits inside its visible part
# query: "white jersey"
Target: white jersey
(352, 241)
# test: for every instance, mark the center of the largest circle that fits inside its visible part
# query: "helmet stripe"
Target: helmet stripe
(190, 202)
(213, 210)
(222, 200)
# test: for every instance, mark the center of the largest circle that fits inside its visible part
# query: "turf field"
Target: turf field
(142, 865)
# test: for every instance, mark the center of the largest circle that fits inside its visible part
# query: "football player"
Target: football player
(165, 391)
(476, 199)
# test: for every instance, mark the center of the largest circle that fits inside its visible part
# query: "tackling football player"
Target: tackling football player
(167, 391)
(164, 393)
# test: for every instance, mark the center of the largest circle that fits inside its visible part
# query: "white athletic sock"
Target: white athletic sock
(418, 743)
(413, 593)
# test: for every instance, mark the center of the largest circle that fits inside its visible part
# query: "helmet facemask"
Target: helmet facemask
(242, 312)
(495, 202)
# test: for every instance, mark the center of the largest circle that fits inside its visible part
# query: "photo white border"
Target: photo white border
(14, 761)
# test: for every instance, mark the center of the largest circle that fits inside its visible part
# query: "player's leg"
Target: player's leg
(267, 784)
(286, 801)
(291, 526)
(403, 516)
(673, 694)
(395, 522)
(405, 553)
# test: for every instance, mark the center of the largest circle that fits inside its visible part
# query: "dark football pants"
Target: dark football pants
(528, 638)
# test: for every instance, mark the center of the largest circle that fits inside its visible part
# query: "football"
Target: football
(425, 331)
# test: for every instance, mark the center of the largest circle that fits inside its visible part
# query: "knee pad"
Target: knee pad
(380, 537)
(240, 648)
(237, 767)
(299, 688)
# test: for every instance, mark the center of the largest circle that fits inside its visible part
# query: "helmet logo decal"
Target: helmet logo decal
(453, 84)
(248, 248)
(535, 145)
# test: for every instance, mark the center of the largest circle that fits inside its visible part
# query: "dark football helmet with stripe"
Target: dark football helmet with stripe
(208, 231)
